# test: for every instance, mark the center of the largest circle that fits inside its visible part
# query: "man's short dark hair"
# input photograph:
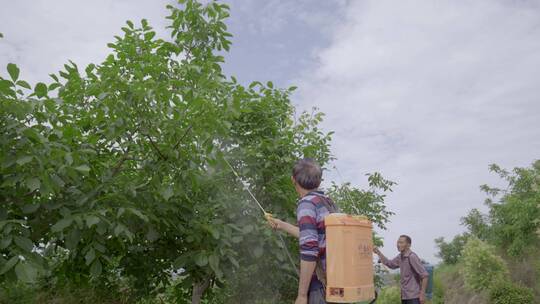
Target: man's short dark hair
(407, 238)
(307, 173)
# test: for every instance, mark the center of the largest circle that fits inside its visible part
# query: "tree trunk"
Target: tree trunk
(198, 290)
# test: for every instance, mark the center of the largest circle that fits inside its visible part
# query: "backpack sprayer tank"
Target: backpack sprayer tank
(349, 259)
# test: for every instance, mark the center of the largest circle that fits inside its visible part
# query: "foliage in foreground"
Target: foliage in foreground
(115, 177)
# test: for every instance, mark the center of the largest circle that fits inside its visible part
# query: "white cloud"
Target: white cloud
(274, 40)
(40, 36)
(278, 16)
(430, 93)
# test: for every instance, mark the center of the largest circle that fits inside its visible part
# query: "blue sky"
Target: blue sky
(429, 93)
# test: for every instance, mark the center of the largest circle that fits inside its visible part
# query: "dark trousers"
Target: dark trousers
(411, 301)
(316, 296)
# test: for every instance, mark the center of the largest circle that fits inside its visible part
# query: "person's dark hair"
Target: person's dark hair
(407, 238)
(307, 173)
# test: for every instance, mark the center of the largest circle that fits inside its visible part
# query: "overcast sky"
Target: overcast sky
(429, 93)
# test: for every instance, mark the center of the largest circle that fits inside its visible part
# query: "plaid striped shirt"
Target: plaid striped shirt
(311, 211)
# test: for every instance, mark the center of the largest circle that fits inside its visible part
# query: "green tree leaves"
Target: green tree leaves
(61, 224)
(83, 168)
(26, 272)
(23, 243)
(450, 252)
(33, 183)
(24, 84)
(368, 203)
(13, 71)
(9, 264)
(201, 259)
(513, 221)
(24, 160)
(118, 168)
(40, 90)
(510, 227)
(90, 256)
(96, 269)
(91, 221)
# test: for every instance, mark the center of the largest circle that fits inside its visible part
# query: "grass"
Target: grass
(450, 287)
(525, 270)
(20, 293)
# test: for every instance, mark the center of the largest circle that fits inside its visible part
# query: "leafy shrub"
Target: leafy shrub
(389, 295)
(509, 293)
(438, 290)
(481, 267)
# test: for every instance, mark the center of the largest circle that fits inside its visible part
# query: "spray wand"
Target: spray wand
(266, 214)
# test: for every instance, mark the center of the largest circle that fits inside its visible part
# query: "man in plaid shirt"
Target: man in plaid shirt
(312, 207)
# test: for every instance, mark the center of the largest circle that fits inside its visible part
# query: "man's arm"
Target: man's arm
(424, 288)
(290, 229)
(306, 272)
(392, 264)
(284, 226)
(419, 269)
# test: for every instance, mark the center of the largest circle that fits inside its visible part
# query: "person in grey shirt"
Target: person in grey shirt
(414, 277)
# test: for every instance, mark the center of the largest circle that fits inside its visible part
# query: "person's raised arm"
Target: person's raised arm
(392, 264)
(283, 226)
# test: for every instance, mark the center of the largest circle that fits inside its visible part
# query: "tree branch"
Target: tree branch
(118, 166)
(155, 147)
(183, 136)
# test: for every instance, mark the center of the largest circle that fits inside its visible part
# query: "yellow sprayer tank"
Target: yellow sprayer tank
(349, 259)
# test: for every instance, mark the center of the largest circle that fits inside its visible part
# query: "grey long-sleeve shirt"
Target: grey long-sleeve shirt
(412, 271)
